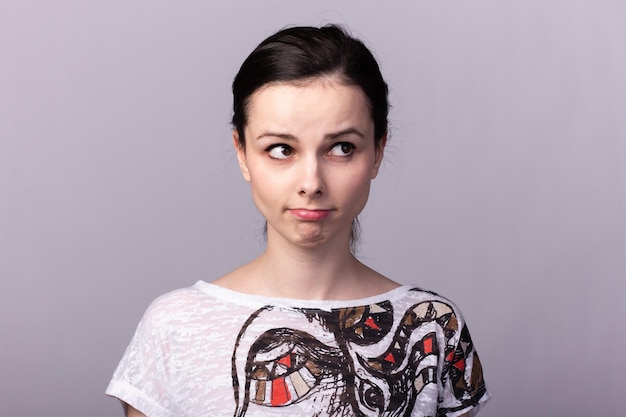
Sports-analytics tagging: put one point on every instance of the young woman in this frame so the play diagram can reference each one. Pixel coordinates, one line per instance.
(305, 329)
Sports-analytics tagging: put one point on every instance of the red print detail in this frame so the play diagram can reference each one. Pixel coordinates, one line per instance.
(285, 360)
(428, 346)
(460, 365)
(371, 323)
(390, 358)
(280, 392)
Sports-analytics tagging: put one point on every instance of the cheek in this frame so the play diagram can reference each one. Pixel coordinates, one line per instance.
(264, 186)
(357, 188)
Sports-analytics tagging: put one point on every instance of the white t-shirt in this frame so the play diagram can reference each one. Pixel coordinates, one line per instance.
(207, 351)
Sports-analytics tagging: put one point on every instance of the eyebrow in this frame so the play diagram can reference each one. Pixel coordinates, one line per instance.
(328, 136)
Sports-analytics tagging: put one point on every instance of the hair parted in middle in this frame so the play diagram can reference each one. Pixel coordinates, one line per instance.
(304, 53)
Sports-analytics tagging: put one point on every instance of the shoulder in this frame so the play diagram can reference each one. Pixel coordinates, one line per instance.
(413, 294)
(178, 305)
(176, 299)
(427, 306)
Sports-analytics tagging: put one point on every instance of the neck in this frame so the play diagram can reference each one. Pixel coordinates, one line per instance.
(325, 272)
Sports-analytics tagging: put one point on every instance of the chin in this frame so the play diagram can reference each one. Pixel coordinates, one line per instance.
(311, 241)
(310, 233)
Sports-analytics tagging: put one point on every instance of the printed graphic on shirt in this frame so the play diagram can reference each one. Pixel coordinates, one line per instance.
(332, 372)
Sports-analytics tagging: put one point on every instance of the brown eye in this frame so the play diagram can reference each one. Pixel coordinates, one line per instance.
(280, 151)
(342, 149)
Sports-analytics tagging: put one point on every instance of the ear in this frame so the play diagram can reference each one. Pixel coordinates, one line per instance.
(378, 158)
(241, 156)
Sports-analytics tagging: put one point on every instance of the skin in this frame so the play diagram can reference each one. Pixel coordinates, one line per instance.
(310, 156)
(129, 411)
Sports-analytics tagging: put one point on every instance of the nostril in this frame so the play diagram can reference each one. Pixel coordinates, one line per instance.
(317, 192)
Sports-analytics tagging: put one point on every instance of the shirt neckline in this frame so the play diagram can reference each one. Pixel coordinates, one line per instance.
(255, 300)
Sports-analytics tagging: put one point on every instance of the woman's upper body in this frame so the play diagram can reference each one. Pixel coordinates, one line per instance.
(310, 127)
(211, 351)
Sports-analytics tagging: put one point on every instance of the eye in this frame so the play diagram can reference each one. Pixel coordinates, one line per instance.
(372, 396)
(342, 149)
(279, 151)
(286, 365)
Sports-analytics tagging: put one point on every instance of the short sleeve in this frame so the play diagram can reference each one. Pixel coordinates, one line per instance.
(141, 376)
(463, 385)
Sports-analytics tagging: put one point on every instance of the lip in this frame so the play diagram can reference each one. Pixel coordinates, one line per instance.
(310, 214)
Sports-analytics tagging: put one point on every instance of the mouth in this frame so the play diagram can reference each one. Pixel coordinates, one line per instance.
(310, 214)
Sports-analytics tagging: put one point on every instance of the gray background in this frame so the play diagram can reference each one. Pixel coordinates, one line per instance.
(503, 188)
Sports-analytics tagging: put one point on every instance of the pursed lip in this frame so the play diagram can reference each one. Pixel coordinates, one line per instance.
(310, 214)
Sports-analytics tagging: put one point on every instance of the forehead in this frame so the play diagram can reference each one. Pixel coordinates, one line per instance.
(323, 103)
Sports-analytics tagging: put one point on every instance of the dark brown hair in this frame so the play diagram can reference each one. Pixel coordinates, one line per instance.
(302, 53)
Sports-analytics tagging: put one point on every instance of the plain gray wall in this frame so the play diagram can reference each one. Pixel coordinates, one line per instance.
(503, 189)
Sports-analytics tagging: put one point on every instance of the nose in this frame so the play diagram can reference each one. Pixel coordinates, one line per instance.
(311, 179)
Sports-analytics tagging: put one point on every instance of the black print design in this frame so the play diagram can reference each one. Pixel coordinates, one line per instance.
(278, 367)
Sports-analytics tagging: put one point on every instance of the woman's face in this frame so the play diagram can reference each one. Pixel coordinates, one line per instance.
(309, 156)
